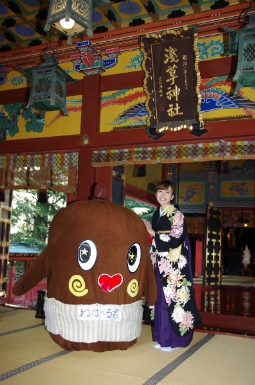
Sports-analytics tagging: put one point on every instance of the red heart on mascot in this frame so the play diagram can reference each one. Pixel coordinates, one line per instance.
(108, 282)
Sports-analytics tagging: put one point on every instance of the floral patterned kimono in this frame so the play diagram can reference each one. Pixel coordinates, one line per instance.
(176, 313)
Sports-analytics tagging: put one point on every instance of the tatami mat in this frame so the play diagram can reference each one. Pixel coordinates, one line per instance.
(9, 317)
(29, 356)
(224, 360)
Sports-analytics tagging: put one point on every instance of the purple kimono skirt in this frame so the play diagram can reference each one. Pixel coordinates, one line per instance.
(163, 332)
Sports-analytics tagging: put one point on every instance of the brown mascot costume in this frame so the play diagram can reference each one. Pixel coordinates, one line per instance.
(97, 268)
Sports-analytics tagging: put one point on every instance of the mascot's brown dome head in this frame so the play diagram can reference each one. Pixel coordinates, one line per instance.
(98, 253)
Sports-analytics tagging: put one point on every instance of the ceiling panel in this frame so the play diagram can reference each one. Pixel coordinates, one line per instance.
(22, 21)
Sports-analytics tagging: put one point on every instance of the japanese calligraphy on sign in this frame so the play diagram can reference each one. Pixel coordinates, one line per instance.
(171, 79)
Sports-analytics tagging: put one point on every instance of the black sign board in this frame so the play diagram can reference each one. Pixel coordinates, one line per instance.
(171, 79)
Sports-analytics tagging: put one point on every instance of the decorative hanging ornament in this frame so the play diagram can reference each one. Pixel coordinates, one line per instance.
(72, 17)
(241, 42)
(48, 84)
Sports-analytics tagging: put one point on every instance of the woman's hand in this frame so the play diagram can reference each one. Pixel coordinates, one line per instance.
(149, 228)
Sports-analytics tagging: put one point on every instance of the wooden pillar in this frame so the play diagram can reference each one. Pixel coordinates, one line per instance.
(165, 171)
(71, 198)
(26, 264)
(91, 104)
(90, 123)
(86, 174)
(199, 259)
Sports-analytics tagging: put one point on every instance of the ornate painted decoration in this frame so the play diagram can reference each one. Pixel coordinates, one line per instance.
(39, 160)
(57, 172)
(90, 61)
(170, 63)
(3, 74)
(181, 152)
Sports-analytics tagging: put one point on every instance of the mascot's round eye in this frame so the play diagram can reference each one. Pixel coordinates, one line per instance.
(134, 257)
(87, 254)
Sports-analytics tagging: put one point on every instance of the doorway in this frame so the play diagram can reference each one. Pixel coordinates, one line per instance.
(236, 240)
(228, 185)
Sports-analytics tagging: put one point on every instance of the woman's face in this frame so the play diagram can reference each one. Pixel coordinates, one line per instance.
(164, 197)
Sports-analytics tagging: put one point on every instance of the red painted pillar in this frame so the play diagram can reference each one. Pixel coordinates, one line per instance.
(90, 123)
(199, 259)
(86, 175)
(165, 171)
(91, 104)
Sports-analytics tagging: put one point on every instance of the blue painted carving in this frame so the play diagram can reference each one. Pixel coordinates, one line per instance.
(3, 74)
(169, 3)
(216, 98)
(210, 50)
(23, 30)
(90, 61)
(33, 3)
(3, 9)
(96, 16)
(129, 8)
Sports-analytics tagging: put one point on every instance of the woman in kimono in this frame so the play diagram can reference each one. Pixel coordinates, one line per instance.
(176, 313)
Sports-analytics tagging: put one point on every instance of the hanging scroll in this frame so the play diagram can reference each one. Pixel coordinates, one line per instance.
(171, 80)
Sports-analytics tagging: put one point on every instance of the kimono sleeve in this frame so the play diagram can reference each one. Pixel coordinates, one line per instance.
(171, 235)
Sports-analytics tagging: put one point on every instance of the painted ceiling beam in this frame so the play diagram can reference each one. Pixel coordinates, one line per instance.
(208, 69)
(208, 22)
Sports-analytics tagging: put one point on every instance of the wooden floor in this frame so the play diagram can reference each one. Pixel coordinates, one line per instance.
(229, 308)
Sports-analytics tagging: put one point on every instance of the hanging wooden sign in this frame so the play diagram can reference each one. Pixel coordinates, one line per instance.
(172, 79)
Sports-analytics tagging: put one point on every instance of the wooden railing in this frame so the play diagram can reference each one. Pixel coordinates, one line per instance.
(28, 299)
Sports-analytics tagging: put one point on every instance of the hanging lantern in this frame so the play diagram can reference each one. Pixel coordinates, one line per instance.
(48, 87)
(241, 42)
(72, 17)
